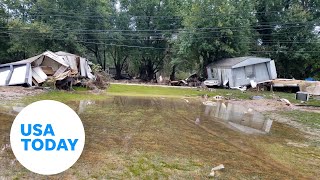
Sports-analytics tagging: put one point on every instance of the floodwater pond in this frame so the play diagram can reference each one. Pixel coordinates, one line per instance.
(157, 138)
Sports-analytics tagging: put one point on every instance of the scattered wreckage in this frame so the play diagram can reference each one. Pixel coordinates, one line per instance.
(193, 80)
(62, 69)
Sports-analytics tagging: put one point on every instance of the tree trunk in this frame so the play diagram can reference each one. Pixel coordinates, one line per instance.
(118, 71)
(173, 73)
(104, 59)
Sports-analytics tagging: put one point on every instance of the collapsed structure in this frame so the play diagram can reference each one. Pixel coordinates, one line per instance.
(48, 65)
(241, 71)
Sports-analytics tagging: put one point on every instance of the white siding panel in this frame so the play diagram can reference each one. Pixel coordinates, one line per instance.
(19, 75)
(272, 70)
(4, 72)
(239, 77)
(83, 67)
(251, 61)
(261, 72)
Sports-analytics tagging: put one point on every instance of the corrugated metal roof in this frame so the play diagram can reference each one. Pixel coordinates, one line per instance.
(230, 62)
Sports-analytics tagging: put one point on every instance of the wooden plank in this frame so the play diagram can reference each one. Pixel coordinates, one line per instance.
(61, 70)
(35, 82)
(47, 70)
(40, 73)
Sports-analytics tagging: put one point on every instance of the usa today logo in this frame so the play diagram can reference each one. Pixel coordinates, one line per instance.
(47, 137)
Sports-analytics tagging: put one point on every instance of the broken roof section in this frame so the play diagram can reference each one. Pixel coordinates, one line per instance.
(38, 69)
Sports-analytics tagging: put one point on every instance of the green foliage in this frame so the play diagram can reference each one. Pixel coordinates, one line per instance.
(291, 40)
(96, 68)
(147, 36)
(222, 32)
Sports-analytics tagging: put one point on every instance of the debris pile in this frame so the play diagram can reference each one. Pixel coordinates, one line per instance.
(100, 82)
(62, 69)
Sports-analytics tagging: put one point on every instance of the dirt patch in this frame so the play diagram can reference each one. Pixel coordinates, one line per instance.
(17, 92)
(264, 105)
(272, 108)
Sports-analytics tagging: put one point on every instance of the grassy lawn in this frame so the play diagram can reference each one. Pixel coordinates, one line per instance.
(310, 119)
(64, 96)
(135, 90)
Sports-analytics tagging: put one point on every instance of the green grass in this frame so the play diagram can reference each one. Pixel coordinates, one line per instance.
(155, 91)
(136, 90)
(64, 96)
(311, 119)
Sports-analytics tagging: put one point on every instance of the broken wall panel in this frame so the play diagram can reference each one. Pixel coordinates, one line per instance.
(72, 62)
(83, 64)
(37, 69)
(60, 70)
(50, 63)
(39, 75)
(21, 74)
(55, 57)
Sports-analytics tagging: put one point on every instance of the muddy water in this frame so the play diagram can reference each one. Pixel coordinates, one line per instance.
(148, 138)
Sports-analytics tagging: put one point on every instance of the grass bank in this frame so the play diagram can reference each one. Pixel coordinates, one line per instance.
(156, 91)
(140, 90)
(311, 119)
(64, 96)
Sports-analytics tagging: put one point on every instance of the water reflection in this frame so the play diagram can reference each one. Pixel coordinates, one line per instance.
(126, 134)
(231, 115)
(238, 117)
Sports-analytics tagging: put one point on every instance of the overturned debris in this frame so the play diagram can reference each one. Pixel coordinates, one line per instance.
(47, 66)
(212, 173)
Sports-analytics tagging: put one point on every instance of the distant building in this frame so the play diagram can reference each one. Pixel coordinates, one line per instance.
(241, 71)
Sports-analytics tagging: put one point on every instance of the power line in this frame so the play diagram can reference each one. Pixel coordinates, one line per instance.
(89, 15)
(275, 41)
(136, 33)
(271, 25)
(92, 41)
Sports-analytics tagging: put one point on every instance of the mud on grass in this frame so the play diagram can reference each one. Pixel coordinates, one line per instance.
(152, 138)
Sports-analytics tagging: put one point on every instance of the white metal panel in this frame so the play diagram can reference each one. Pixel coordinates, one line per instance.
(272, 69)
(4, 73)
(83, 67)
(225, 76)
(56, 58)
(209, 73)
(88, 69)
(239, 77)
(19, 75)
(261, 72)
(39, 75)
(251, 61)
(29, 75)
(90, 75)
(38, 61)
(72, 61)
(50, 63)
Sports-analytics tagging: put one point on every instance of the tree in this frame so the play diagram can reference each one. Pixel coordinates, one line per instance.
(287, 34)
(215, 30)
(4, 38)
(151, 21)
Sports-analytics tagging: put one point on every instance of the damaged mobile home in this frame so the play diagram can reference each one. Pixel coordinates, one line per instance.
(241, 71)
(48, 65)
